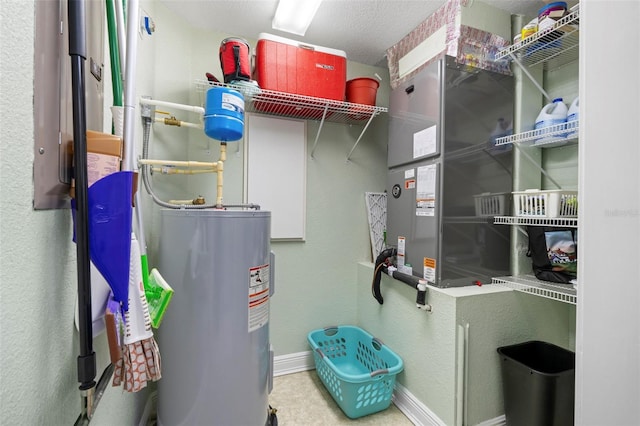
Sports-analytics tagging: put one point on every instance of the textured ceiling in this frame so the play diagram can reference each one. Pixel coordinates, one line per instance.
(364, 29)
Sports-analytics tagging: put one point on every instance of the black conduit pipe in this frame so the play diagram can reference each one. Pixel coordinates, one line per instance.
(77, 51)
(414, 282)
(409, 280)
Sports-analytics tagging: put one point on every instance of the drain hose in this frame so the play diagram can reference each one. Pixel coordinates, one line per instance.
(380, 265)
(410, 280)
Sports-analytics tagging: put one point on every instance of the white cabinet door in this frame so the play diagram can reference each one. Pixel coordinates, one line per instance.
(276, 171)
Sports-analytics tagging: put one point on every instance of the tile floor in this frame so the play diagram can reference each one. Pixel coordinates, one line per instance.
(302, 400)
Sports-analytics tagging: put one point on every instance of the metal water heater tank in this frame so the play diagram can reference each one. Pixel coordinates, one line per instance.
(217, 364)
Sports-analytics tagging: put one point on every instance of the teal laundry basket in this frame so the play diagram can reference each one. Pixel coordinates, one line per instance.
(358, 370)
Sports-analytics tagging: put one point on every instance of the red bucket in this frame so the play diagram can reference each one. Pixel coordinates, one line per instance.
(362, 90)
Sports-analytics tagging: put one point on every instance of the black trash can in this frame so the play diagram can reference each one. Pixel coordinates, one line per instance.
(538, 382)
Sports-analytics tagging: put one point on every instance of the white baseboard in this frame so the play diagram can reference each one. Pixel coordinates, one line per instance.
(421, 415)
(498, 421)
(416, 411)
(293, 363)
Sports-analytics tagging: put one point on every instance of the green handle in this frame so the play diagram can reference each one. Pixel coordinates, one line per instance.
(114, 54)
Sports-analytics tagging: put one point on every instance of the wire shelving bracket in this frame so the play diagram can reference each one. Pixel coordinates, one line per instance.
(552, 47)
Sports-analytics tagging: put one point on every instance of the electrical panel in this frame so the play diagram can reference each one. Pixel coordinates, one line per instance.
(53, 108)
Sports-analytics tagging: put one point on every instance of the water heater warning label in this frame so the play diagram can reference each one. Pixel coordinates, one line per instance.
(258, 297)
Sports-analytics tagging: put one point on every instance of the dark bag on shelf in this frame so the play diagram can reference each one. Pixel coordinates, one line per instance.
(554, 253)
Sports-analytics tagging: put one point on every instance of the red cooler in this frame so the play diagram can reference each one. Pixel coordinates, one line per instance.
(289, 66)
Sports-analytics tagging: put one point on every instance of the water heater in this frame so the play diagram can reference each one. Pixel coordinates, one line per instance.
(217, 364)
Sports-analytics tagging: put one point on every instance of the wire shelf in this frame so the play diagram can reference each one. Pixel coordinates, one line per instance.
(291, 105)
(546, 137)
(560, 222)
(552, 47)
(298, 106)
(530, 284)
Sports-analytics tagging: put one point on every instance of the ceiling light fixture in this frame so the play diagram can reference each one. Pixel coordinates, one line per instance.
(294, 16)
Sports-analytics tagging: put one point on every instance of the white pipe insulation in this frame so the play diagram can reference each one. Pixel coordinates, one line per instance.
(191, 108)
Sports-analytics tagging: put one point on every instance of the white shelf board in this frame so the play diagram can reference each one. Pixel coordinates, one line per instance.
(546, 137)
(530, 284)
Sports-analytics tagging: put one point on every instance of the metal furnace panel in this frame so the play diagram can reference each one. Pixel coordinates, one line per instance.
(415, 113)
(471, 107)
(413, 204)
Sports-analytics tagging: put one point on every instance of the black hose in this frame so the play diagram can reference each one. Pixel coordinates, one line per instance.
(379, 266)
(421, 298)
(77, 51)
(413, 281)
(410, 280)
